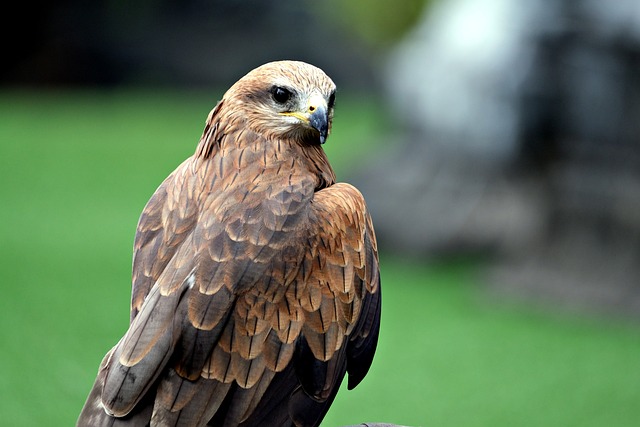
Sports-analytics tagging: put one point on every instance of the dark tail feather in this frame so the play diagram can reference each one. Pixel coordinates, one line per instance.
(94, 415)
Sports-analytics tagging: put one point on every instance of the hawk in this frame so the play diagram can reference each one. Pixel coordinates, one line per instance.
(256, 285)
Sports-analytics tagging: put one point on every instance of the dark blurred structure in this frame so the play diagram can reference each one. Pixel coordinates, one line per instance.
(522, 141)
(173, 43)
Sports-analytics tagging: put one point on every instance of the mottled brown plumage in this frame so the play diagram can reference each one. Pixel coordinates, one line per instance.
(255, 275)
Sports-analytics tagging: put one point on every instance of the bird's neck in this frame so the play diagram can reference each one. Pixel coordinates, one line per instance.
(230, 151)
(318, 163)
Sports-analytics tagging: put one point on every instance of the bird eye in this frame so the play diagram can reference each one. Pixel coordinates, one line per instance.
(280, 94)
(332, 100)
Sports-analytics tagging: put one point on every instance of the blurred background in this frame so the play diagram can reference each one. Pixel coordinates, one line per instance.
(497, 144)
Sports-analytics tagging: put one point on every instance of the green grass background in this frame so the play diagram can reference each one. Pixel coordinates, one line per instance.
(76, 169)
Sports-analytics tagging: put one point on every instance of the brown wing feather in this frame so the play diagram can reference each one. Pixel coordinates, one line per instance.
(349, 281)
(165, 223)
(321, 299)
(170, 216)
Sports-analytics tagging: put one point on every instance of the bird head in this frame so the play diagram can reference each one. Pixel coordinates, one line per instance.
(285, 99)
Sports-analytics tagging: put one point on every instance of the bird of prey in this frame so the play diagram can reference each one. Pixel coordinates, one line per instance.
(256, 285)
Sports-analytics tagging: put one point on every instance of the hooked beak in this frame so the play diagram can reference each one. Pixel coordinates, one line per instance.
(314, 116)
(319, 120)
